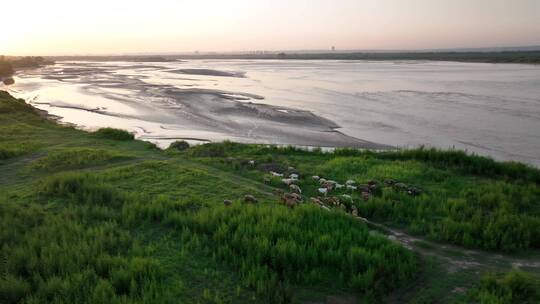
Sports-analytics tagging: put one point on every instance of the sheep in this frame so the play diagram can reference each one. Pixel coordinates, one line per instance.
(328, 185)
(276, 174)
(250, 199)
(339, 186)
(354, 211)
(343, 207)
(350, 182)
(293, 176)
(291, 199)
(288, 181)
(227, 202)
(365, 196)
(291, 169)
(323, 191)
(332, 201)
(251, 163)
(352, 188)
(316, 177)
(346, 196)
(322, 180)
(295, 188)
(316, 200)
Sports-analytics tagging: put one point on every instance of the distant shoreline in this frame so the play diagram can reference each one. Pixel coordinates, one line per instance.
(516, 57)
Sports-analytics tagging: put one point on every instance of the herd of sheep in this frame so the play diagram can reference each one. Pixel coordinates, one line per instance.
(325, 188)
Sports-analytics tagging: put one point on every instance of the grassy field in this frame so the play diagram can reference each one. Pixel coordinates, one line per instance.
(102, 218)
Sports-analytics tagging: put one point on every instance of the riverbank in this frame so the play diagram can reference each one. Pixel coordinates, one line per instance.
(108, 218)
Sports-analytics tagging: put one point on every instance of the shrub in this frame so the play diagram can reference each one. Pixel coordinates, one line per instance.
(114, 134)
(179, 145)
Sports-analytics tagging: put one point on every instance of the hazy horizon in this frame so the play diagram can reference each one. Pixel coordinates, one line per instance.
(63, 27)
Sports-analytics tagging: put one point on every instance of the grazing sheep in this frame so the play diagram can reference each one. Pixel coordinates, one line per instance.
(332, 201)
(250, 199)
(276, 174)
(328, 185)
(325, 208)
(316, 200)
(363, 188)
(352, 188)
(295, 188)
(291, 199)
(346, 196)
(291, 169)
(316, 177)
(227, 202)
(389, 182)
(266, 180)
(354, 211)
(293, 176)
(343, 207)
(365, 196)
(350, 182)
(414, 191)
(251, 163)
(323, 191)
(322, 180)
(289, 181)
(339, 186)
(278, 192)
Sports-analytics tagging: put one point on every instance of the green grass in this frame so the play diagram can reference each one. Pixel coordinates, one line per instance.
(88, 218)
(73, 158)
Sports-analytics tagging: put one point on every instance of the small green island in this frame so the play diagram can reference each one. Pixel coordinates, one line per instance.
(104, 218)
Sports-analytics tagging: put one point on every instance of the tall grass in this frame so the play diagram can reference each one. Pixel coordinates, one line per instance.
(274, 247)
(514, 287)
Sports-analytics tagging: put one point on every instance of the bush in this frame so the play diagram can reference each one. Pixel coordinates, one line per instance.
(179, 145)
(114, 134)
(515, 287)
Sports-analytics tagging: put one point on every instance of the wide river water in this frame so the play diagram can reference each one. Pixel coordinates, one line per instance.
(490, 109)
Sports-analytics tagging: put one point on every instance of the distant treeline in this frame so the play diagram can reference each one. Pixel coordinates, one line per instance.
(494, 57)
(6, 69)
(528, 57)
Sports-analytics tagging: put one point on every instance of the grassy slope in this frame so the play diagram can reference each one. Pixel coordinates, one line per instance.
(149, 225)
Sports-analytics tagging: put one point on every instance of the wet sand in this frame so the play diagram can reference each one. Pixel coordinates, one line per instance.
(163, 113)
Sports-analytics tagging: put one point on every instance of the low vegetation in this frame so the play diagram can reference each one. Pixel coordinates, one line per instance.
(102, 218)
(73, 158)
(114, 134)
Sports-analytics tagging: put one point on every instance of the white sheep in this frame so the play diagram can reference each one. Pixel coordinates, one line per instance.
(350, 182)
(339, 186)
(252, 163)
(316, 177)
(288, 181)
(276, 174)
(346, 196)
(352, 188)
(293, 176)
(295, 188)
(323, 191)
(322, 180)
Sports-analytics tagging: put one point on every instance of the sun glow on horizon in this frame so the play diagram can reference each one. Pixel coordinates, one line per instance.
(105, 27)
